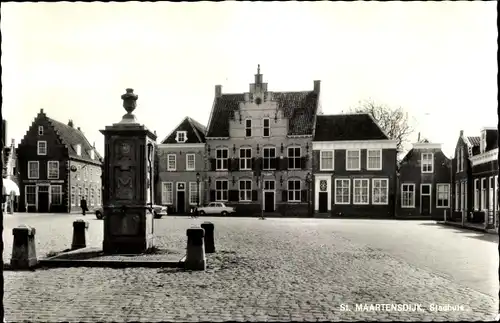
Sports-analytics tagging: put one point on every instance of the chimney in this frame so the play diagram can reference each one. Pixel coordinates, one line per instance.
(461, 133)
(13, 142)
(218, 91)
(418, 139)
(79, 129)
(70, 123)
(317, 85)
(41, 110)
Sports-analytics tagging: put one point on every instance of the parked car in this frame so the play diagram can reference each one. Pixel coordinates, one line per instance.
(158, 212)
(216, 208)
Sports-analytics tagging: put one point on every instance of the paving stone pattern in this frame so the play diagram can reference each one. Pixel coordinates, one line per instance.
(272, 270)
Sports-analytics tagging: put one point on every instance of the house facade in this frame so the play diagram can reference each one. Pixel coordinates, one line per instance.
(46, 155)
(484, 178)
(181, 167)
(10, 173)
(424, 182)
(354, 167)
(259, 147)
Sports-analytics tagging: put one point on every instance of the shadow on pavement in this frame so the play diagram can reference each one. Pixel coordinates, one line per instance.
(469, 233)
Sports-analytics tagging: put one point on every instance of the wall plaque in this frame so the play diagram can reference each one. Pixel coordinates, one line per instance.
(323, 186)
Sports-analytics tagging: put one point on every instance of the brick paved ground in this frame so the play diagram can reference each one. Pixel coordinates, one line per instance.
(273, 270)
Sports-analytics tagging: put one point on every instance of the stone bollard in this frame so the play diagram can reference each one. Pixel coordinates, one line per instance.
(208, 227)
(79, 234)
(195, 256)
(23, 249)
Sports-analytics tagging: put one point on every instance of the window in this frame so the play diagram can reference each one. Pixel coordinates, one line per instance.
(171, 162)
(294, 190)
(482, 145)
(42, 147)
(91, 176)
(78, 171)
(360, 191)
(248, 128)
(167, 192)
(490, 194)
(91, 200)
(92, 154)
(462, 159)
(222, 159)
(326, 160)
(269, 158)
(374, 159)
(98, 202)
(33, 170)
(443, 195)
(73, 196)
(79, 150)
(342, 191)
(40, 130)
(476, 194)
(408, 195)
(221, 190)
(85, 173)
(53, 169)
(87, 193)
(483, 194)
(294, 158)
(427, 162)
(245, 190)
(245, 158)
(459, 159)
(56, 194)
(193, 193)
(352, 160)
(462, 201)
(190, 161)
(269, 185)
(30, 194)
(457, 196)
(380, 191)
(181, 136)
(266, 130)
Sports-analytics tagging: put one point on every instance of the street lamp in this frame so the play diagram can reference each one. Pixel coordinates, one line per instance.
(308, 181)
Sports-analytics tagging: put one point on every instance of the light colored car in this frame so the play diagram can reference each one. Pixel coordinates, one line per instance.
(158, 212)
(216, 208)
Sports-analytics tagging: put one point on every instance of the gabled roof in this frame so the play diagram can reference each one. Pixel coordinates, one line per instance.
(347, 127)
(195, 132)
(298, 107)
(72, 137)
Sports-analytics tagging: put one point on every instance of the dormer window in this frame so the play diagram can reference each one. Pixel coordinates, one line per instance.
(181, 136)
(40, 130)
(248, 128)
(79, 150)
(92, 154)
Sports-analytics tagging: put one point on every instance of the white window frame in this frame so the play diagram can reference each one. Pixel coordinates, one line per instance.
(264, 127)
(245, 161)
(30, 163)
(221, 198)
(457, 153)
(73, 196)
(41, 148)
(167, 193)
(78, 172)
(348, 187)
(79, 150)
(268, 158)
(26, 193)
(368, 157)
(193, 193)
(247, 192)
(296, 159)
(374, 188)
(92, 154)
(407, 195)
(40, 130)
(360, 180)
(248, 128)
(347, 158)
(219, 161)
(491, 201)
(181, 135)
(85, 173)
(457, 196)
(476, 194)
(50, 164)
(425, 163)
(438, 192)
(483, 194)
(187, 161)
(294, 191)
(169, 157)
(321, 166)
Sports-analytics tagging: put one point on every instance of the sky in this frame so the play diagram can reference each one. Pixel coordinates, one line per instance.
(436, 60)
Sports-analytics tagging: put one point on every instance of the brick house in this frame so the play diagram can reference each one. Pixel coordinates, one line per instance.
(45, 156)
(181, 167)
(354, 167)
(424, 182)
(258, 149)
(484, 179)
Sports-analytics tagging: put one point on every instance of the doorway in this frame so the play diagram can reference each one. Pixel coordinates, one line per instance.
(425, 199)
(181, 198)
(43, 199)
(323, 202)
(269, 201)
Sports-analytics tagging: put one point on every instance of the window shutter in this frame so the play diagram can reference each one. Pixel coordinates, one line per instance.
(252, 163)
(212, 164)
(230, 164)
(284, 163)
(236, 164)
(303, 195)
(233, 196)
(303, 162)
(212, 195)
(258, 165)
(272, 163)
(284, 195)
(278, 163)
(254, 195)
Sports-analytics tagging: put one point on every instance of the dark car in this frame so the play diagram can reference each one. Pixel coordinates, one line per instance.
(158, 212)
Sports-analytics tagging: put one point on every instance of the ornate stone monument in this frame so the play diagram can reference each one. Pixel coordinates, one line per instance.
(128, 185)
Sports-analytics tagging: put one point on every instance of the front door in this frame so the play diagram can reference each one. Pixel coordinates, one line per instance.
(323, 202)
(425, 195)
(181, 198)
(43, 199)
(269, 201)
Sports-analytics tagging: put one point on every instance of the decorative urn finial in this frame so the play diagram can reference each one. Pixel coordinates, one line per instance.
(129, 100)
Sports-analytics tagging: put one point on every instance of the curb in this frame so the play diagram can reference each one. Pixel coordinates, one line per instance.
(68, 263)
(459, 225)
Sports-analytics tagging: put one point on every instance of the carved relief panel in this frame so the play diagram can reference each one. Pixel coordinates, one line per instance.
(124, 169)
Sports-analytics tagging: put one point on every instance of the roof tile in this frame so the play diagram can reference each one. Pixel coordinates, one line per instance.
(347, 127)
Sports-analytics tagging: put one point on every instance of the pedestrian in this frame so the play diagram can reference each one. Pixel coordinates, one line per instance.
(83, 205)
